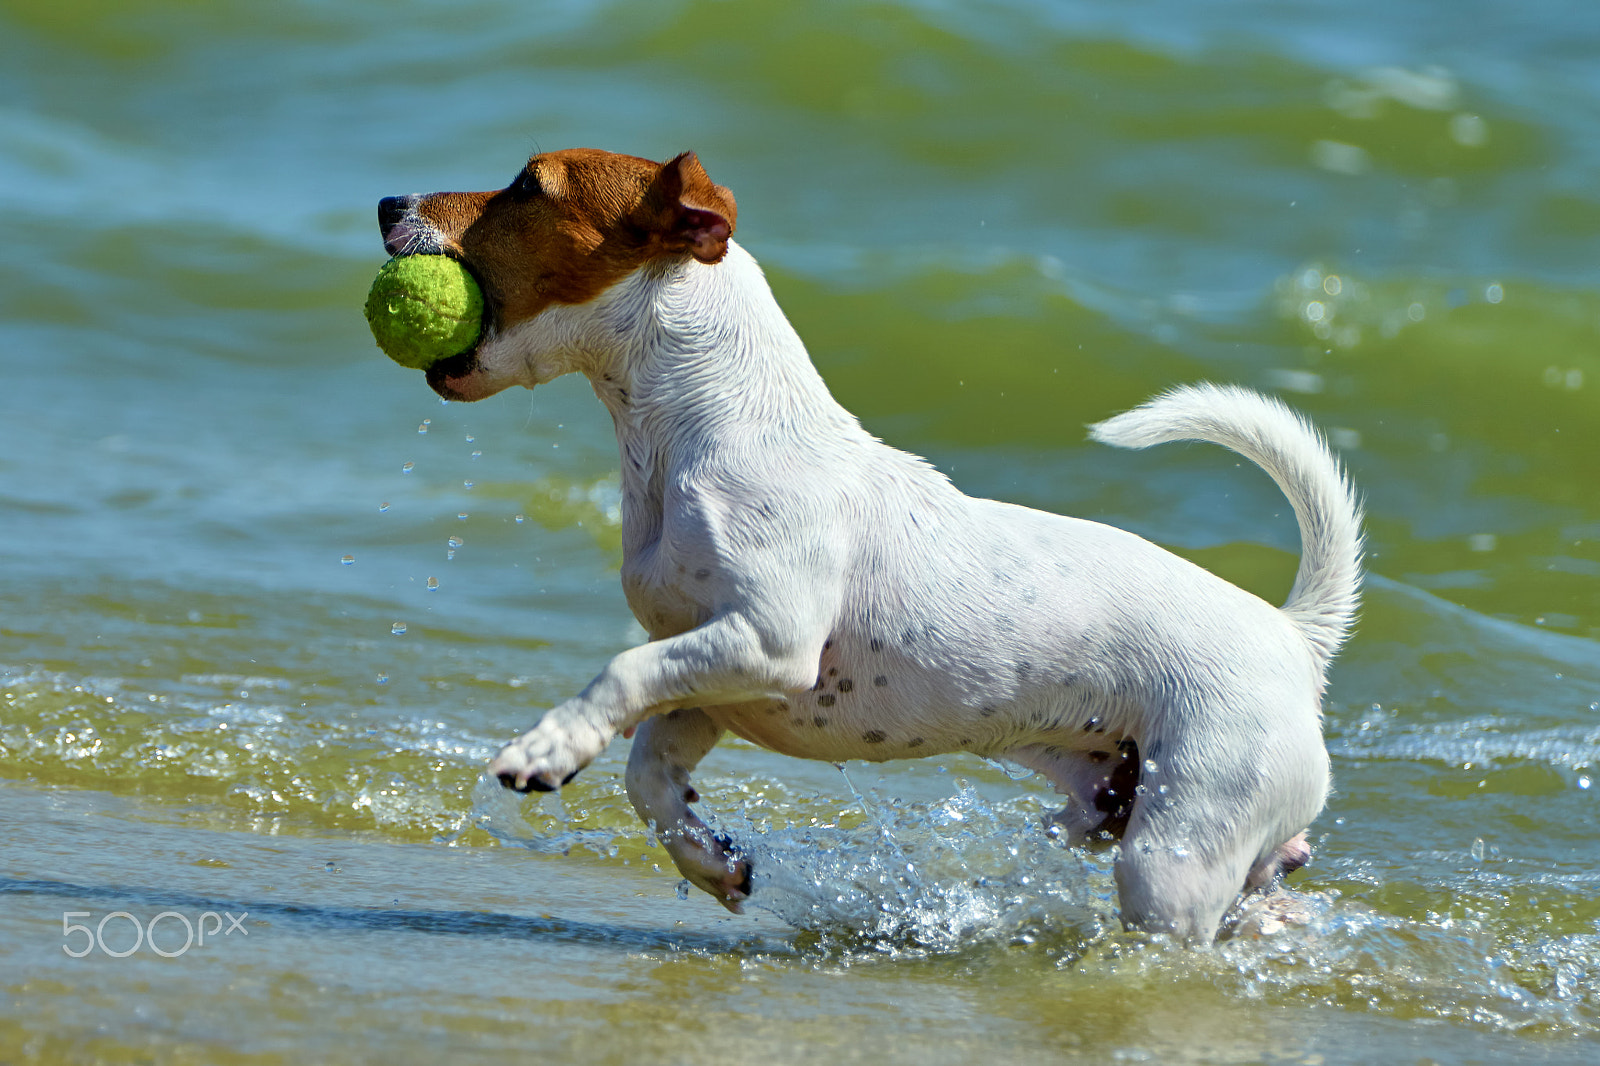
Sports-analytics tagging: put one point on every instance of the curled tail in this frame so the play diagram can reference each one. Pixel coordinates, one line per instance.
(1327, 588)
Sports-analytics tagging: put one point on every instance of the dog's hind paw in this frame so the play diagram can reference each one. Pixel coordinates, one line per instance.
(1266, 914)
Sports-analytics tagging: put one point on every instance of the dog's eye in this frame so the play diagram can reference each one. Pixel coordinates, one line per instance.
(524, 185)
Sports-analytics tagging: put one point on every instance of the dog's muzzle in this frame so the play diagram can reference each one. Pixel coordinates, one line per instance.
(407, 233)
(404, 233)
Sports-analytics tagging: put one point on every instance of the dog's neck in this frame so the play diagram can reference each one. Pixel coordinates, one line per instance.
(694, 359)
(699, 348)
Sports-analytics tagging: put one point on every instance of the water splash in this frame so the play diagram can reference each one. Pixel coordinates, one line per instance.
(500, 812)
(914, 878)
(1494, 940)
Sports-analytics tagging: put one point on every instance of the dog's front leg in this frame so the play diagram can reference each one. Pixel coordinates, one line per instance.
(665, 749)
(726, 660)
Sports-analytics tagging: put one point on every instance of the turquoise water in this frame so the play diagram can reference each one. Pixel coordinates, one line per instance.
(993, 224)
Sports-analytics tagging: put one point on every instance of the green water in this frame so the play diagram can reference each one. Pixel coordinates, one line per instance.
(993, 223)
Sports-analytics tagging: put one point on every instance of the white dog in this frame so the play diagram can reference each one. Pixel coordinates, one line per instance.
(826, 596)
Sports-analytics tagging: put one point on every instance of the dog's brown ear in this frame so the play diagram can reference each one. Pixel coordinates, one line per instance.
(690, 213)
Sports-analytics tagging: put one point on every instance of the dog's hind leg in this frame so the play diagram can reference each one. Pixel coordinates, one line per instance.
(1285, 859)
(1098, 785)
(1170, 876)
(1178, 878)
(665, 749)
(1213, 819)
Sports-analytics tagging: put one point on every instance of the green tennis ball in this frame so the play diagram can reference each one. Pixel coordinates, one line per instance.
(424, 308)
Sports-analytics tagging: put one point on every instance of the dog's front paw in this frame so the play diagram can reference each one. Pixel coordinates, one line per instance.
(712, 863)
(544, 758)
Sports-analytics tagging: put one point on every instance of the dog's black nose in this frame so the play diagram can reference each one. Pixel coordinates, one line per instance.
(391, 209)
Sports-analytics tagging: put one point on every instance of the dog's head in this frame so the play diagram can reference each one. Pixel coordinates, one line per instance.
(570, 226)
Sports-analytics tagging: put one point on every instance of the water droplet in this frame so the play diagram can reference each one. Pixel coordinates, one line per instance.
(1584, 782)
(1151, 766)
(1477, 850)
(433, 583)
(455, 542)
(470, 438)
(382, 507)
(383, 679)
(1494, 293)
(346, 560)
(521, 518)
(1013, 770)
(424, 427)
(476, 454)
(398, 629)
(683, 889)
(466, 484)
(1469, 131)
(461, 516)
(406, 468)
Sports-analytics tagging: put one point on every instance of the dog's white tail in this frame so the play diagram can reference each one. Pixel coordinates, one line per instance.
(1327, 588)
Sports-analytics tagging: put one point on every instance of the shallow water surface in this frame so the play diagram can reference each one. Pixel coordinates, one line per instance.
(269, 605)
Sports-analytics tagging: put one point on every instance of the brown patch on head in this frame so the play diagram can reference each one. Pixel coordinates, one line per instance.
(578, 221)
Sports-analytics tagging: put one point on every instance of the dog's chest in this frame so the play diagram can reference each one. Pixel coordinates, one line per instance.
(668, 596)
(668, 572)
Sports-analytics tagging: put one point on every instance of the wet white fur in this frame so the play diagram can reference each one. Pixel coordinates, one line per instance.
(771, 546)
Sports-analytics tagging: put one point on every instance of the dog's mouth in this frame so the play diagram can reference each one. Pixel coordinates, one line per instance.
(458, 378)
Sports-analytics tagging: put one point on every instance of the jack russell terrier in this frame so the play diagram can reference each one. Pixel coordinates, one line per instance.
(824, 595)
